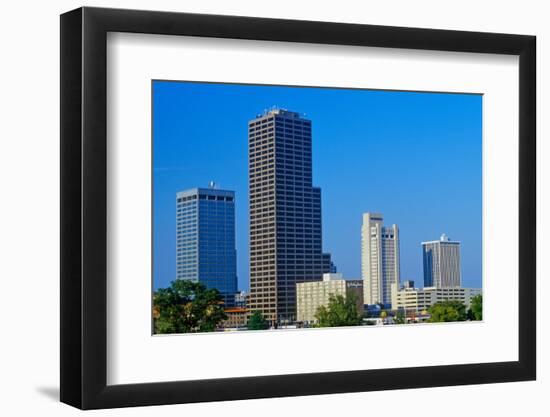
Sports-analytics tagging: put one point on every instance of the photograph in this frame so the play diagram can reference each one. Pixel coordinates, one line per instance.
(282, 207)
(252, 205)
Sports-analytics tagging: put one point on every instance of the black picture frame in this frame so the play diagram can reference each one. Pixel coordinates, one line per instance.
(84, 207)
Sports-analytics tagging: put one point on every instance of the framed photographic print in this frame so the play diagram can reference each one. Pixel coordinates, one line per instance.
(256, 207)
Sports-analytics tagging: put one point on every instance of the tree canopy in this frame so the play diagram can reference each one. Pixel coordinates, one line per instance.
(340, 311)
(476, 308)
(446, 311)
(257, 321)
(399, 317)
(187, 307)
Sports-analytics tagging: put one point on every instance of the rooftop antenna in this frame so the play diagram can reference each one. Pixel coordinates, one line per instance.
(212, 185)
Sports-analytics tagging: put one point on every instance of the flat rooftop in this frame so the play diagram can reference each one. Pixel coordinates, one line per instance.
(205, 191)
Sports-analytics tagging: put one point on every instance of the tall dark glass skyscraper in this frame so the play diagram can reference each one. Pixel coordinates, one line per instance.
(285, 214)
(206, 239)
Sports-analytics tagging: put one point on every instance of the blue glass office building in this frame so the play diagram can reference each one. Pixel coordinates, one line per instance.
(206, 239)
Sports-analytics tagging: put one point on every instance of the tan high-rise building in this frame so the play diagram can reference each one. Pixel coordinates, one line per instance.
(285, 214)
(379, 258)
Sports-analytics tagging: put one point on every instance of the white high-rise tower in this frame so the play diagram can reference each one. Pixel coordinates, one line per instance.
(379, 258)
(442, 263)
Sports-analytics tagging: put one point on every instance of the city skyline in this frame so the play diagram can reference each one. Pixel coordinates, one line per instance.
(173, 125)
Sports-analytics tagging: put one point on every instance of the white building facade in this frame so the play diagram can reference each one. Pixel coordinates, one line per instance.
(418, 300)
(312, 295)
(379, 259)
(441, 259)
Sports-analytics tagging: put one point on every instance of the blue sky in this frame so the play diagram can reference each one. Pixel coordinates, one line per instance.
(414, 157)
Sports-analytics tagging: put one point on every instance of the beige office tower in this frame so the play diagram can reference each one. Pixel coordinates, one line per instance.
(379, 259)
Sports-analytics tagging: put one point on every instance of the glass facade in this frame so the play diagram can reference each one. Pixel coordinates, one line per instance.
(441, 261)
(206, 239)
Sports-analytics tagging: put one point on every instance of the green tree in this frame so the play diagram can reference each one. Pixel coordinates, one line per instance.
(476, 308)
(340, 311)
(445, 311)
(187, 307)
(399, 317)
(257, 322)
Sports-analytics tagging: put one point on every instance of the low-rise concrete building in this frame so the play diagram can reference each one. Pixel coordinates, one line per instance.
(418, 300)
(237, 317)
(312, 295)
